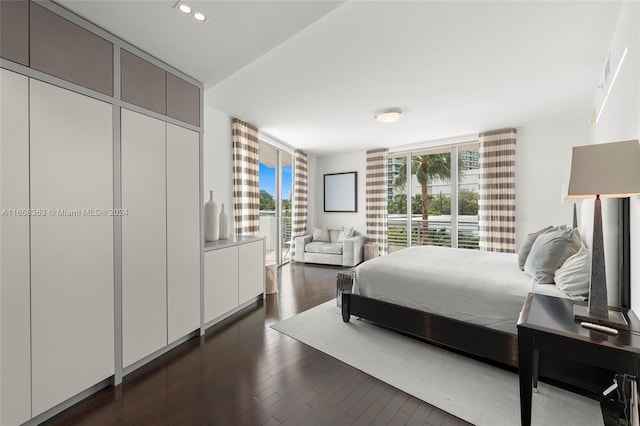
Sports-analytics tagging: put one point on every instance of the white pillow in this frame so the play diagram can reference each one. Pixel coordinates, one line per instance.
(344, 234)
(321, 235)
(574, 275)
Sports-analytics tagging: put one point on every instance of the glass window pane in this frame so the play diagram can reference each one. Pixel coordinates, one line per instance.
(431, 189)
(268, 228)
(286, 206)
(468, 186)
(397, 203)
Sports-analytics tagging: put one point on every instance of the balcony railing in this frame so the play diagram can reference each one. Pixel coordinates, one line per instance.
(435, 232)
(268, 230)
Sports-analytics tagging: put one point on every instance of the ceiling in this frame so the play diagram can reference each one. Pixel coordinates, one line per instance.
(314, 73)
(235, 34)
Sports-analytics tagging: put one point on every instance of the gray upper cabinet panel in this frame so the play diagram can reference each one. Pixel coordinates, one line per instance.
(143, 83)
(183, 100)
(14, 31)
(68, 51)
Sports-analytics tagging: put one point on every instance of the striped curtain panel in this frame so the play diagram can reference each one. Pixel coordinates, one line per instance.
(497, 204)
(246, 190)
(376, 198)
(300, 198)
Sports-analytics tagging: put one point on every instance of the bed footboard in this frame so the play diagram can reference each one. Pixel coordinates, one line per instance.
(481, 341)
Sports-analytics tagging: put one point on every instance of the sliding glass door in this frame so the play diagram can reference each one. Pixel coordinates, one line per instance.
(286, 205)
(276, 185)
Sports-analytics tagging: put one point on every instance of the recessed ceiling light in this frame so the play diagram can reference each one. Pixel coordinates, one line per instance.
(389, 116)
(185, 9)
(199, 16)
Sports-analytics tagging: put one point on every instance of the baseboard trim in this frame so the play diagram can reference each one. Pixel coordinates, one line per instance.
(234, 311)
(54, 411)
(133, 367)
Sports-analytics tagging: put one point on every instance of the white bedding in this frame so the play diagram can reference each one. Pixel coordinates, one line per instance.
(482, 288)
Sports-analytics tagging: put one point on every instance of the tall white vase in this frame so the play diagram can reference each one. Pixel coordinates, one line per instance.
(224, 224)
(211, 226)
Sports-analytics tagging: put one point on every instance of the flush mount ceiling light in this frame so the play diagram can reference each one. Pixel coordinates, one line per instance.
(389, 116)
(186, 9)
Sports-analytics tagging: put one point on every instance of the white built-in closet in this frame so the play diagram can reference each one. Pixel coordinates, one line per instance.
(100, 241)
(57, 265)
(160, 234)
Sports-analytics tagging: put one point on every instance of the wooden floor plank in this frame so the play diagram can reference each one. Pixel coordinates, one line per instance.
(401, 418)
(391, 409)
(369, 414)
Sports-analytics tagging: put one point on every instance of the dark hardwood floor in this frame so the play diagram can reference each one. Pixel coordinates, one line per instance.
(242, 372)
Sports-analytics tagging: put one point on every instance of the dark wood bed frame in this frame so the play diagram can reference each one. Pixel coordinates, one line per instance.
(477, 340)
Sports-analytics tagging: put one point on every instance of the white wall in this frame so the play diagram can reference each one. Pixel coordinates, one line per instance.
(543, 160)
(620, 119)
(350, 162)
(218, 160)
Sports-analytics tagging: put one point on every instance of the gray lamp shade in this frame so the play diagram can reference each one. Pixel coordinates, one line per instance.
(610, 170)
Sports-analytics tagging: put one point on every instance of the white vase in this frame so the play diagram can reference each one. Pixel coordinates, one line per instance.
(224, 224)
(211, 226)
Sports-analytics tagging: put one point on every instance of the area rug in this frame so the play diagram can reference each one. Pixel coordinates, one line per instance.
(469, 389)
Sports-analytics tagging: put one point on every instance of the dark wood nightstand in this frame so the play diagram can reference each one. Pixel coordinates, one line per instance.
(546, 325)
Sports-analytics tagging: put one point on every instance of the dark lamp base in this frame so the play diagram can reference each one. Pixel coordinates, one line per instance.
(616, 319)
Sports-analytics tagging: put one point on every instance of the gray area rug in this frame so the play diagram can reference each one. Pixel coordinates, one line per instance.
(472, 390)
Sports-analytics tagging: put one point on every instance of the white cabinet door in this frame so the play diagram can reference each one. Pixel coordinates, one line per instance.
(251, 277)
(220, 282)
(144, 277)
(183, 231)
(15, 315)
(72, 263)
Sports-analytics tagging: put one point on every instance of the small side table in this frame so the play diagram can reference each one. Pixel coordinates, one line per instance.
(272, 278)
(371, 250)
(546, 325)
(344, 282)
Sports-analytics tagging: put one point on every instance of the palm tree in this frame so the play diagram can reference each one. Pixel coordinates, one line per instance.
(427, 168)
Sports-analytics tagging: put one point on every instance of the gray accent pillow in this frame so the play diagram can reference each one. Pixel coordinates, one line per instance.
(528, 243)
(321, 235)
(549, 252)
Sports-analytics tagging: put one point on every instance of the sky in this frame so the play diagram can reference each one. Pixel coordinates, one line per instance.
(268, 180)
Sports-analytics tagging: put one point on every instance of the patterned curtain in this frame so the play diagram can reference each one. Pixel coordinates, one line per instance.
(497, 204)
(300, 197)
(376, 198)
(246, 190)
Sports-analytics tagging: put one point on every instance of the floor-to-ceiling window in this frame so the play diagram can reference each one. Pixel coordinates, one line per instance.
(276, 185)
(433, 197)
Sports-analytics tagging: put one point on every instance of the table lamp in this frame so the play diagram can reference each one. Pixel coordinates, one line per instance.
(609, 170)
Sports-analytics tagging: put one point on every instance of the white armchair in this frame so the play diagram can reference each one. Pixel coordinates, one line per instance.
(348, 252)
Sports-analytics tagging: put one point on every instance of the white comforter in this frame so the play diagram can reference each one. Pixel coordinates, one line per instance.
(482, 288)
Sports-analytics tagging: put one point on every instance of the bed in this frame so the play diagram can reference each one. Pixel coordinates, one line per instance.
(463, 299)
